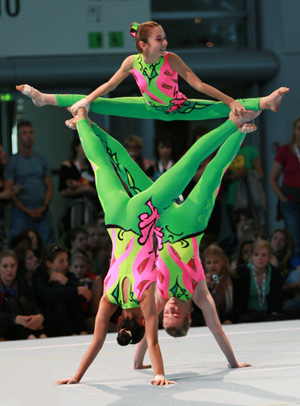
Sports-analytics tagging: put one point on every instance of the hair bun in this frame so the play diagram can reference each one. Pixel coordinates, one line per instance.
(124, 337)
(133, 29)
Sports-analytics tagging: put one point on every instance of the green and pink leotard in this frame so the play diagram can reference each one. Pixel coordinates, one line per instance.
(180, 228)
(131, 221)
(161, 98)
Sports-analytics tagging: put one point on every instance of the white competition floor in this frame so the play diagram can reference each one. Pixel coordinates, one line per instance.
(29, 369)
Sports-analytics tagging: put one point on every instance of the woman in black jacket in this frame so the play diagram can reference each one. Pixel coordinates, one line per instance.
(257, 287)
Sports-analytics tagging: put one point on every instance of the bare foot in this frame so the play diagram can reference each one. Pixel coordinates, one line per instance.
(245, 124)
(39, 99)
(81, 114)
(273, 101)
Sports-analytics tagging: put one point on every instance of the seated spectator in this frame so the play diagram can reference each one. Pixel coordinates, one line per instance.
(134, 145)
(237, 220)
(251, 230)
(257, 287)
(27, 263)
(286, 259)
(80, 267)
(36, 241)
(76, 240)
(242, 255)
(20, 317)
(219, 281)
(59, 294)
(98, 248)
(77, 187)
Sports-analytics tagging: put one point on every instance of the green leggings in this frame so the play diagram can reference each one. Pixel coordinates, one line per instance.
(136, 107)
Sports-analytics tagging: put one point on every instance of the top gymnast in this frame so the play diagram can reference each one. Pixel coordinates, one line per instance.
(156, 73)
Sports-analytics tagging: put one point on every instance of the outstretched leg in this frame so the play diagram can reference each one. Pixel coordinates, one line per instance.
(137, 107)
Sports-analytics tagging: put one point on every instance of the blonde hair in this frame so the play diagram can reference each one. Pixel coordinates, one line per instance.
(215, 250)
(260, 244)
(142, 32)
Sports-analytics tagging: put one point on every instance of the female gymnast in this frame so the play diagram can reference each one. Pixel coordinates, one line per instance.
(156, 73)
(179, 231)
(131, 279)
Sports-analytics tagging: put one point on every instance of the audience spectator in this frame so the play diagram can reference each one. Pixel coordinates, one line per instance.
(237, 220)
(287, 162)
(76, 240)
(283, 248)
(20, 317)
(27, 263)
(31, 171)
(80, 267)
(164, 154)
(219, 281)
(36, 242)
(99, 248)
(243, 184)
(59, 294)
(77, 187)
(257, 287)
(5, 195)
(242, 255)
(134, 145)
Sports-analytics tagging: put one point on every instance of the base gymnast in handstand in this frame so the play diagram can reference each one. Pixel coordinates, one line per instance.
(179, 231)
(130, 282)
(156, 73)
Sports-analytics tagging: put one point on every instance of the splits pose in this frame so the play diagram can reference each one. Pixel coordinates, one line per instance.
(156, 73)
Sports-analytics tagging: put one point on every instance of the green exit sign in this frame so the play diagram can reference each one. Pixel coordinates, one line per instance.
(116, 40)
(95, 40)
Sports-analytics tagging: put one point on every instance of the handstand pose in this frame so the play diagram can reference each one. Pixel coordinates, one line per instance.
(180, 229)
(156, 73)
(131, 280)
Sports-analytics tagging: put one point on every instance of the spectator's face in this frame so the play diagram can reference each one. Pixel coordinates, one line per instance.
(134, 150)
(164, 151)
(79, 268)
(93, 239)
(60, 263)
(260, 258)
(246, 252)
(8, 270)
(2, 156)
(213, 264)
(241, 223)
(31, 261)
(278, 242)
(80, 241)
(26, 136)
(34, 240)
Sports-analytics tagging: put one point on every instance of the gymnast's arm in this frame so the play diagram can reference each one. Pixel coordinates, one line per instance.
(121, 74)
(189, 76)
(105, 311)
(141, 347)
(148, 308)
(205, 302)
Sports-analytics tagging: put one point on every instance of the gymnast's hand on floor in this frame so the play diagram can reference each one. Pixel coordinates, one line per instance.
(160, 380)
(66, 381)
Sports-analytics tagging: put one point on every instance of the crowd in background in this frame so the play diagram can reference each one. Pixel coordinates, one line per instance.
(49, 289)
